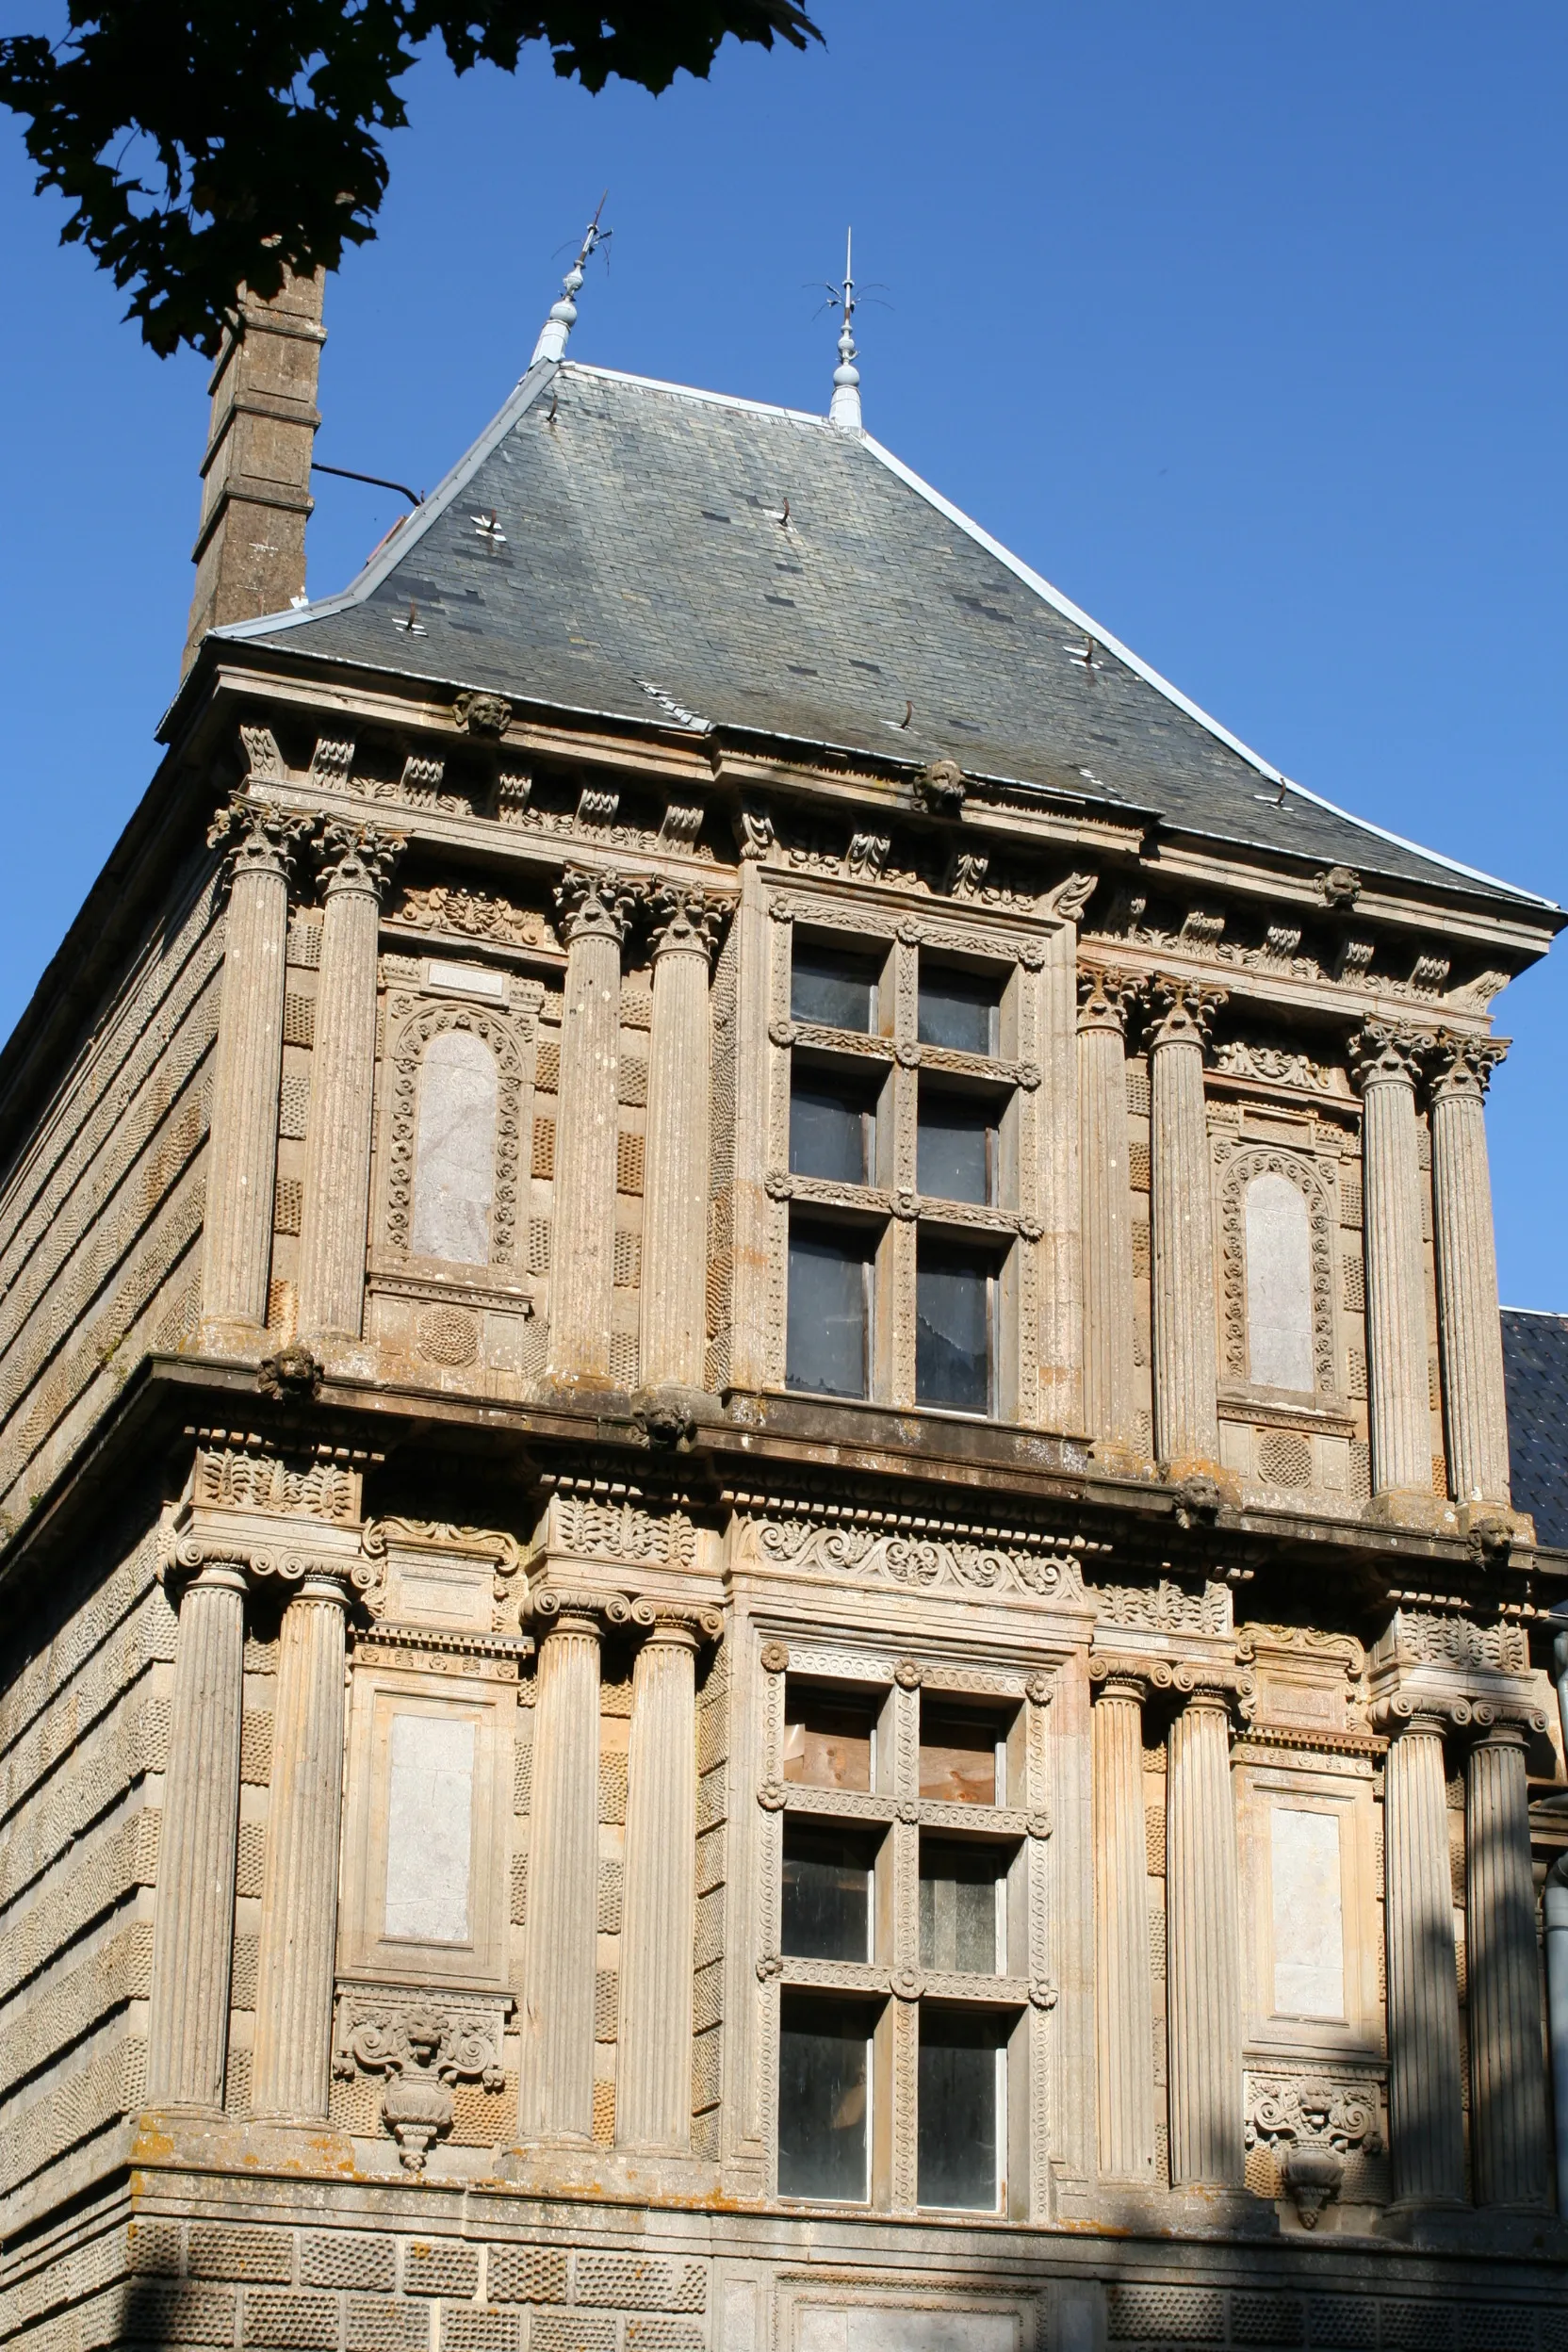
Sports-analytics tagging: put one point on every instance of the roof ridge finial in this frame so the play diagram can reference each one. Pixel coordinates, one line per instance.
(562, 318)
(845, 411)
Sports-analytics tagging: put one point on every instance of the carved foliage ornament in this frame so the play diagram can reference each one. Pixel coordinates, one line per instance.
(1428, 1640)
(1163, 1607)
(1383, 1053)
(622, 1531)
(258, 840)
(1105, 998)
(408, 1053)
(1312, 2123)
(358, 858)
(422, 2045)
(1239, 1171)
(1463, 1066)
(1182, 1010)
(594, 904)
(684, 920)
(324, 1489)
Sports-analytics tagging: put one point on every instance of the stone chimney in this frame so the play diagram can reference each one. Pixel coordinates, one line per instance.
(250, 552)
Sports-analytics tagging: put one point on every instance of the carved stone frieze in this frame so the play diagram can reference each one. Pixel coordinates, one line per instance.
(1272, 1067)
(916, 1563)
(474, 915)
(256, 1482)
(1163, 1607)
(422, 2043)
(625, 1532)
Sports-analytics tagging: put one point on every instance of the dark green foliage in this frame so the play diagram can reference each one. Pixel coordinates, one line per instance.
(207, 144)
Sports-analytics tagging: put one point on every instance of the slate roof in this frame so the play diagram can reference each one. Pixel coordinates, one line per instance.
(645, 570)
(1535, 1373)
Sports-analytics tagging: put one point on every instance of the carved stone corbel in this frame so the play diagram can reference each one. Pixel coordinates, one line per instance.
(422, 2043)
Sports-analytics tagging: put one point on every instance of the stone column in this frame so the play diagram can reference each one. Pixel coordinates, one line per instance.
(595, 909)
(563, 1883)
(1186, 1372)
(1203, 1950)
(1473, 1404)
(1509, 2148)
(299, 1902)
(1396, 1361)
(1425, 2097)
(653, 2087)
(1109, 1406)
(193, 1935)
(676, 1161)
(357, 864)
(1123, 2002)
(242, 1146)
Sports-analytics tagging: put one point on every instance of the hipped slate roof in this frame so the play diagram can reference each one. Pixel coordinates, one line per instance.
(1535, 1372)
(661, 553)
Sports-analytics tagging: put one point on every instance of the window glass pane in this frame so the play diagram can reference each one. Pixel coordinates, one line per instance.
(962, 1919)
(957, 1147)
(828, 1130)
(960, 2101)
(824, 2100)
(957, 1009)
(958, 1755)
(953, 1331)
(826, 1894)
(837, 991)
(826, 1349)
(1279, 1284)
(827, 1741)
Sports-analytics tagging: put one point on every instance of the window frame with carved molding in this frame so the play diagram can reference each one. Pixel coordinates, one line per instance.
(1259, 1418)
(898, 1223)
(894, 1985)
(463, 1316)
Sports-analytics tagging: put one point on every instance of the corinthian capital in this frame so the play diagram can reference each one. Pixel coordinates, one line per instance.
(683, 922)
(1463, 1065)
(1182, 1010)
(358, 858)
(1105, 997)
(594, 904)
(1385, 1053)
(258, 838)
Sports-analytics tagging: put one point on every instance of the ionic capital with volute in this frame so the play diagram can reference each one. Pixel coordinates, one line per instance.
(1181, 1011)
(593, 904)
(684, 921)
(1461, 1068)
(1105, 997)
(552, 1605)
(358, 858)
(257, 838)
(1115, 1677)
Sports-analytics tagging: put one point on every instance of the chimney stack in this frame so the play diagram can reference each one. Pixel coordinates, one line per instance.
(250, 552)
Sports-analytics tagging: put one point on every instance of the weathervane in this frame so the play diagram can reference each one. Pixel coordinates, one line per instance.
(562, 318)
(845, 411)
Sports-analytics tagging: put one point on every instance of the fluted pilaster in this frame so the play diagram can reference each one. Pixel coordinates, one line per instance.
(1475, 1406)
(1187, 1411)
(1204, 1955)
(298, 1904)
(594, 912)
(357, 864)
(676, 1159)
(653, 2089)
(562, 1886)
(1425, 2097)
(1105, 1160)
(242, 1146)
(1509, 2148)
(1123, 2002)
(193, 1934)
(1399, 1410)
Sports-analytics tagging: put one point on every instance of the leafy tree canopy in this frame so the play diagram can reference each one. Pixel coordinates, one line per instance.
(210, 144)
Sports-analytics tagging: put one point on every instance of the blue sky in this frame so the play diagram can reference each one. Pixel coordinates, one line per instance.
(1244, 325)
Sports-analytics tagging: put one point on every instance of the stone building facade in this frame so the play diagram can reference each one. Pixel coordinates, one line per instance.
(760, 1576)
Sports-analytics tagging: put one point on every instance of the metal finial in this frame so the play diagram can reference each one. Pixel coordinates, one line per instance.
(562, 318)
(846, 410)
